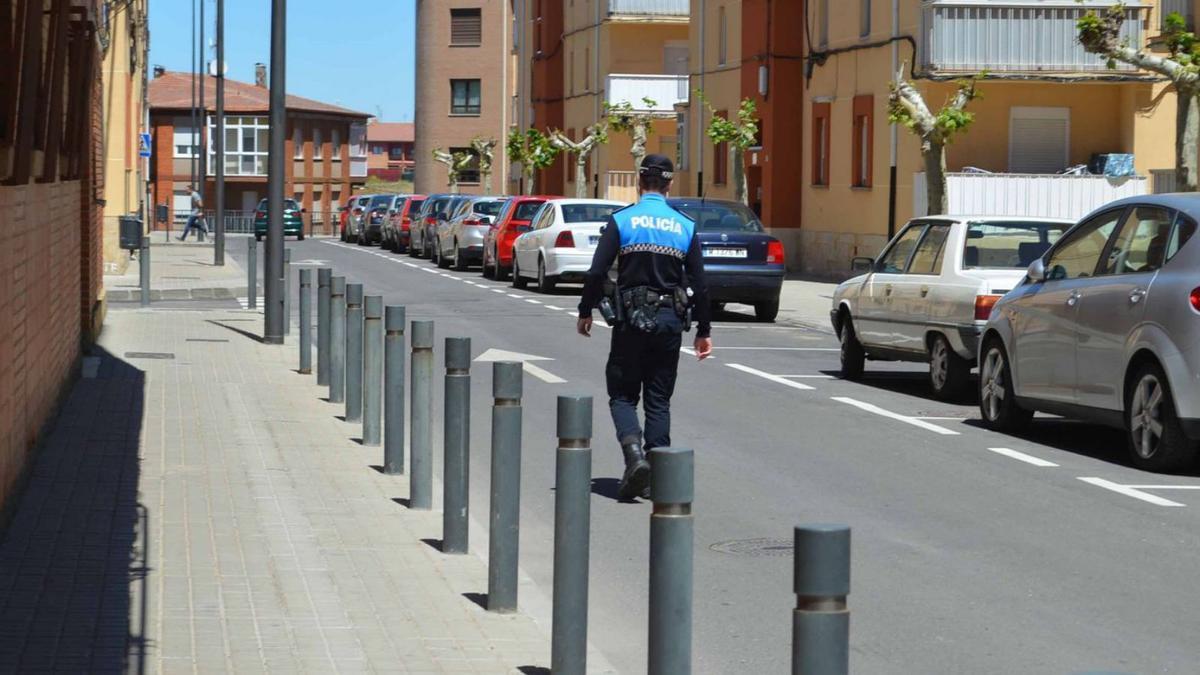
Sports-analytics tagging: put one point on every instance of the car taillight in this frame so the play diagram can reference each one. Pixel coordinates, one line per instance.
(1194, 297)
(471, 221)
(984, 305)
(775, 252)
(260, 214)
(564, 240)
(405, 223)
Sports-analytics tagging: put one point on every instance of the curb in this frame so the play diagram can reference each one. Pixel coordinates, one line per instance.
(214, 293)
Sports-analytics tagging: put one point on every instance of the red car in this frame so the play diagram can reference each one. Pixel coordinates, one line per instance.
(397, 234)
(511, 223)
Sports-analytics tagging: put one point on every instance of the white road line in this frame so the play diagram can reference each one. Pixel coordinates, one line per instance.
(811, 377)
(1128, 491)
(516, 295)
(767, 376)
(541, 374)
(1022, 457)
(497, 290)
(532, 301)
(1165, 487)
(871, 408)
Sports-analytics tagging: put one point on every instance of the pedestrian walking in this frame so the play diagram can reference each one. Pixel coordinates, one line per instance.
(196, 218)
(660, 284)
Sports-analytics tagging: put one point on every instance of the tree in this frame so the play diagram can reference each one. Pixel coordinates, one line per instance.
(483, 150)
(1100, 34)
(639, 124)
(740, 136)
(907, 106)
(582, 149)
(456, 163)
(533, 151)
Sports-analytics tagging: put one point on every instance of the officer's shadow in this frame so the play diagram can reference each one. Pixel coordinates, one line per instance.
(609, 487)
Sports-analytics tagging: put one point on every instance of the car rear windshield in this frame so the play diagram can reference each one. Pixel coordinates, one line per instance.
(588, 213)
(1008, 244)
(380, 201)
(415, 207)
(288, 205)
(718, 217)
(525, 210)
(488, 208)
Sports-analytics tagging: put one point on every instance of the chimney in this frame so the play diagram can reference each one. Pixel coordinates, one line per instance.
(260, 75)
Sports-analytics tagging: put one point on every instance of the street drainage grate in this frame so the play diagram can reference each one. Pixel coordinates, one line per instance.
(149, 355)
(765, 547)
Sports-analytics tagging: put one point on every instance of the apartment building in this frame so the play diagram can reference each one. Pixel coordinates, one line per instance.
(390, 150)
(465, 66)
(539, 91)
(326, 143)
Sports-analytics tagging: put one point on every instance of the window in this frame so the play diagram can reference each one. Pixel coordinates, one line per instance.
(1141, 245)
(720, 216)
(820, 144)
(1184, 229)
(864, 18)
(571, 71)
(681, 133)
(1078, 255)
(587, 69)
(318, 144)
(570, 165)
(822, 24)
(358, 139)
(931, 250)
(471, 173)
(396, 152)
(1012, 244)
(335, 144)
(1038, 139)
(895, 260)
(721, 156)
(187, 143)
(246, 141)
(466, 27)
(464, 97)
(377, 148)
(863, 130)
(588, 213)
(297, 143)
(722, 37)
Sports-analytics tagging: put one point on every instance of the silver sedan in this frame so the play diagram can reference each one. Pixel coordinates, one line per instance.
(460, 238)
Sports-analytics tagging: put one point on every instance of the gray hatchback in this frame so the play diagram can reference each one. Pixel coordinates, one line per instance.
(1106, 327)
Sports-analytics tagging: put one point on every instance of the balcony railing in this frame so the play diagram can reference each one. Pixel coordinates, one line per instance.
(358, 167)
(650, 7)
(664, 90)
(1026, 36)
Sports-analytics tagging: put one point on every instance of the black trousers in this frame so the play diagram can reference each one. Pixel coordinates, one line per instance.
(643, 366)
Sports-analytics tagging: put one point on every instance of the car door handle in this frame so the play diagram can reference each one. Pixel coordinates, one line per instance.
(1073, 299)
(887, 290)
(1136, 295)
(924, 291)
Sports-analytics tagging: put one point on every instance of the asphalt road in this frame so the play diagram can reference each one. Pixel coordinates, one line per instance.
(972, 551)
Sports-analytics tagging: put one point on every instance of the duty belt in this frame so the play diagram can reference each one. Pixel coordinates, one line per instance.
(641, 305)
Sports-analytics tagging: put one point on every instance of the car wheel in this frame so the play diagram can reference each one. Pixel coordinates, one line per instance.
(488, 271)
(997, 397)
(949, 373)
(300, 237)
(545, 282)
(518, 281)
(258, 237)
(1156, 438)
(765, 312)
(501, 273)
(460, 263)
(442, 262)
(853, 357)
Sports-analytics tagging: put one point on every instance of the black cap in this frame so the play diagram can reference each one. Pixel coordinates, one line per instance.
(657, 165)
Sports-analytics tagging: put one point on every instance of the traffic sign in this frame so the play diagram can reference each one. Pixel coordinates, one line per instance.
(143, 145)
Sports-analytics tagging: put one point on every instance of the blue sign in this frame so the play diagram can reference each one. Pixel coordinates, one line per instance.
(143, 145)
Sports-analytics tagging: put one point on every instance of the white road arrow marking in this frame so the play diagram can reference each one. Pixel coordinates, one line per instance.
(524, 359)
(310, 262)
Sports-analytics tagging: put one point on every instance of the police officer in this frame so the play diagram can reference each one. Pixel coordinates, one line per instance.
(658, 260)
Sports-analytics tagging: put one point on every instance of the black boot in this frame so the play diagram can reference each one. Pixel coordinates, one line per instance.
(636, 480)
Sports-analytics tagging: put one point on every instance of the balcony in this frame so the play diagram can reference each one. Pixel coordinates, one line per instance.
(664, 90)
(663, 8)
(1016, 36)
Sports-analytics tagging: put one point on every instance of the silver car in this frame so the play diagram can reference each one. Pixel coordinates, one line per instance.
(459, 239)
(1106, 328)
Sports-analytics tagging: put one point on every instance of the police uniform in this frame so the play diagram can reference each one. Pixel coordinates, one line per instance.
(657, 252)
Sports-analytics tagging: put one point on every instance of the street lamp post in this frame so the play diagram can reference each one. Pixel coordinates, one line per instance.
(273, 315)
(219, 141)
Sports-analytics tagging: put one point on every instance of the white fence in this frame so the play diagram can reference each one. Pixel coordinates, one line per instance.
(621, 185)
(664, 90)
(1020, 194)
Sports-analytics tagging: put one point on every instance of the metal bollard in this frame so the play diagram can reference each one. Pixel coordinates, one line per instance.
(287, 291)
(821, 620)
(306, 321)
(324, 276)
(393, 392)
(421, 482)
(337, 340)
(354, 352)
(672, 487)
(456, 437)
(144, 270)
(252, 273)
(572, 527)
(372, 370)
(504, 538)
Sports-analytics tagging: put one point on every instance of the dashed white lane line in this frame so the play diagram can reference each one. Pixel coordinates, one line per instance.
(808, 377)
(515, 295)
(871, 408)
(766, 376)
(532, 301)
(498, 290)
(1136, 491)
(1020, 456)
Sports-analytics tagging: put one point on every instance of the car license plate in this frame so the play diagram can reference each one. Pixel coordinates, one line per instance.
(724, 253)
(594, 239)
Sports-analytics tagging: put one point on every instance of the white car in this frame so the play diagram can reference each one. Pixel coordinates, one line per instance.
(929, 294)
(560, 245)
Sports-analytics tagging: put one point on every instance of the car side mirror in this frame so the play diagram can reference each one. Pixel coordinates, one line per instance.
(862, 264)
(1037, 271)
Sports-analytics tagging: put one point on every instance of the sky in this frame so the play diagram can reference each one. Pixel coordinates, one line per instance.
(353, 53)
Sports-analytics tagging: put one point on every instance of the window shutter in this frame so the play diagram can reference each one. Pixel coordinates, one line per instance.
(466, 26)
(1038, 140)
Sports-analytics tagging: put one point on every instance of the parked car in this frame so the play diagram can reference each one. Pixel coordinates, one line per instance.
(512, 221)
(742, 263)
(390, 208)
(293, 222)
(354, 218)
(459, 240)
(343, 215)
(560, 245)
(423, 225)
(929, 294)
(397, 230)
(1106, 328)
(371, 228)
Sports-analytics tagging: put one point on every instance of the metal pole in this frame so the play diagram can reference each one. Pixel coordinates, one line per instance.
(572, 524)
(306, 321)
(273, 318)
(456, 438)
(252, 273)
(287, 291)
(202, 159)
(504, 532)
(671, 525)
(337, 340)
(219, 141)
(421, 417)
(821, 620)
(372, 370)
(192, 144)
(393, 393)
(144, 270)
(324, 275)
(354, 352)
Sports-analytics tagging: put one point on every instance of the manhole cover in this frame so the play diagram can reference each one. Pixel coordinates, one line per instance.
(149, 355)
(206, 340)
(755, 548)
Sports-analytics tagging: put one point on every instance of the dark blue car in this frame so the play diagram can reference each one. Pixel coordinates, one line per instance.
(742, 263)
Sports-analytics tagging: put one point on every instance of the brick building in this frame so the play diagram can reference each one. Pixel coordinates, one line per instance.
(390, 150)
(327, 145)
(51, 188)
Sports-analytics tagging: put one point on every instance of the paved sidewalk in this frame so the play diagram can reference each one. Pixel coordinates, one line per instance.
(199, 508)
(181, 271)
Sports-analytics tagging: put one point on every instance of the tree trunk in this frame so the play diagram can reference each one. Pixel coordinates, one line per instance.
(487, 183)
(638, 150)
(935, 177)
(1187, 132)
(741, 189)
(529, 173)
(581, 179)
